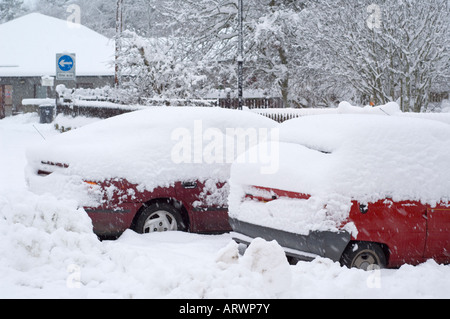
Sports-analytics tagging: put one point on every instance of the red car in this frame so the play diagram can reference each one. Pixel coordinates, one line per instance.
(174, 208)
(361, 190)
(161, 169)
(393, 233)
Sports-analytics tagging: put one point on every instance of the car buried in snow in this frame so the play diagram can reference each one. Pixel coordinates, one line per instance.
(364, 190)
(154, 170)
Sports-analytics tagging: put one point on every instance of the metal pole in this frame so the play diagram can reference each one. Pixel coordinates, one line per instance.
(241, 55)
(119, 29)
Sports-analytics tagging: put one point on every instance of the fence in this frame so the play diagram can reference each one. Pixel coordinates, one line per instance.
(252, 103)
(107, 102)
(280, 117)
(100, 103)
(101, 110)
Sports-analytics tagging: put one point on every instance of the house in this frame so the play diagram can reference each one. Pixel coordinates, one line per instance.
(28, 49)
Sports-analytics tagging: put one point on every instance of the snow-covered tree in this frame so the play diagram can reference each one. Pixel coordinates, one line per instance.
(156, 67)
(389, 51)
(272, 42)
(10, 9)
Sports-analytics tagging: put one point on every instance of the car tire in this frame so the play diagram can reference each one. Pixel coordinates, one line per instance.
(364, 255)
(159, 217)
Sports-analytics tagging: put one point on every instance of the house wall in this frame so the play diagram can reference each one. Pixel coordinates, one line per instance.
(30, 88)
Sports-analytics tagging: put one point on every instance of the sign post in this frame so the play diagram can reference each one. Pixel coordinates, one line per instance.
(240, 58)
(66, 67)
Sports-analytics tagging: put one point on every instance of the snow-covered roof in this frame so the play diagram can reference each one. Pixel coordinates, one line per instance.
(30, 43)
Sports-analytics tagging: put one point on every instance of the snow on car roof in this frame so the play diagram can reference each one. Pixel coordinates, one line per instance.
(366, 157)
(153, 147)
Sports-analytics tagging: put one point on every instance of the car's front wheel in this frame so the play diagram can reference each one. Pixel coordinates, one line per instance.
(364, 255)
(159, 217)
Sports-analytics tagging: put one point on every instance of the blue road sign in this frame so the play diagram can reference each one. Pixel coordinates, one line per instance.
(66, 66)
(65, 63)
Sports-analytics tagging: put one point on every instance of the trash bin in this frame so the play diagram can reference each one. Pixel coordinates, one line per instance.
(46, 112)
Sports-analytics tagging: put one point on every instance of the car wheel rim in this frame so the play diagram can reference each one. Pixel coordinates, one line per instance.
(160, 221)
(365, 259)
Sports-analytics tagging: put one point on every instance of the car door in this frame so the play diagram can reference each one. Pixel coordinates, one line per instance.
(399, 225)
(206, 203)
(438, 234)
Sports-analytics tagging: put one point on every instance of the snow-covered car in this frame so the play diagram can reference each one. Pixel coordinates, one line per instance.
(157, 169)
(363, 190)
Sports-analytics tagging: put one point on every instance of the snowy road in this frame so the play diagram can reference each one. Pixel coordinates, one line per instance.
(49, 251)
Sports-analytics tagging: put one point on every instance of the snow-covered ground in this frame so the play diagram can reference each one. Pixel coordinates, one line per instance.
(48, 250)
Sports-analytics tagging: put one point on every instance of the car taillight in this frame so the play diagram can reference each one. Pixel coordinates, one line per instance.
(92, 185)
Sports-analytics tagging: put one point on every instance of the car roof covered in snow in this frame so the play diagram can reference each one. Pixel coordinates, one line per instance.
(152, 147)
(366, 157)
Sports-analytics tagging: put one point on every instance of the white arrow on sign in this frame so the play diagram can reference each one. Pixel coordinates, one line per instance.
(63, 63)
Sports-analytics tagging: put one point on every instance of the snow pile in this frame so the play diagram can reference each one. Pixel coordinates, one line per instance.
(269, 260)
(48, 251)
(390, 108)
(150, 148)
(322, 278)
(441, 117)
(340, 158)
(33, 231)
(40, 238)
(264, 260)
